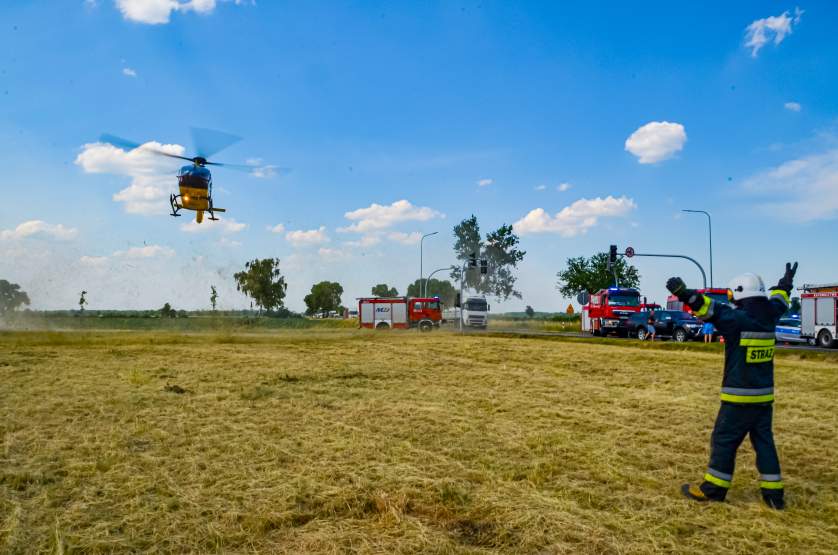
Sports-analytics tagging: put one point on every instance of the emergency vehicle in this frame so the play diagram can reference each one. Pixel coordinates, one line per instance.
(424, 313)
(819, 313)
(606, 309)
(717, 294)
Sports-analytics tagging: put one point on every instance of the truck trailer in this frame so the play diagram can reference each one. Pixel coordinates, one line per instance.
(819, 314)
(383, 313)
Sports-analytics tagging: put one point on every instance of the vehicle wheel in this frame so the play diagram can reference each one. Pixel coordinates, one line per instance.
(825, 339)
(382, 326)
(425, 326)
(680, 335)
(642, 334)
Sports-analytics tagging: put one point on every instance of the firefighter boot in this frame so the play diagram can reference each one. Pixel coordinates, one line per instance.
(774, 500)
(704, 492)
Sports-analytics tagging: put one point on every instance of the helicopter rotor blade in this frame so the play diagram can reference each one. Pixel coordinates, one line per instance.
(265, 169)
(208, 142)
(131, 145)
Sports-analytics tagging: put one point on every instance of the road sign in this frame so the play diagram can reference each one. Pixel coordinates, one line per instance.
(629, 252)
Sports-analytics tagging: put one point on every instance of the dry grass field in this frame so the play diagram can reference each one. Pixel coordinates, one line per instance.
(342, 441)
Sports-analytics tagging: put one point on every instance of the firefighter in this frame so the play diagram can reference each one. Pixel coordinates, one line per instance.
(748, 385)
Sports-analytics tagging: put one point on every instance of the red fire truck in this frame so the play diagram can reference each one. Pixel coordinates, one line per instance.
(716, 293)
(379, 313)
(607, 308)
(819, 314)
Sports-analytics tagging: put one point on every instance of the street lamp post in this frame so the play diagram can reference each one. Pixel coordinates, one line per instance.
(421, 261)
(710, 230)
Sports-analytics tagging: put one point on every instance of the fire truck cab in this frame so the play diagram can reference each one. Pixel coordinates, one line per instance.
(819, 314)
(380, 313)
(607, 308)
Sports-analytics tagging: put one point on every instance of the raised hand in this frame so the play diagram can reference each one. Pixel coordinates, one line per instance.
(786, 282)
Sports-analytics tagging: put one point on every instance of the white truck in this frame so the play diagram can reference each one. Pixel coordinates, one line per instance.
(475, 312)
(819, 314)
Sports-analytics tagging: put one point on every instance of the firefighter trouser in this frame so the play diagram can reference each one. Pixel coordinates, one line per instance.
(733, 423)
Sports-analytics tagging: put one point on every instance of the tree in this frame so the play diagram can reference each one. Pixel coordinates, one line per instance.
(324, 297)
(82, 301)
(11, 297)
(167, 311)
(383, 290)
(213, 296)
(441, 288)
(592, 274)
(499, 249)
(529, 310)
(262, 281)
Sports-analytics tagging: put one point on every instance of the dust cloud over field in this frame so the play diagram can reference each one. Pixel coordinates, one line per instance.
(343, 441)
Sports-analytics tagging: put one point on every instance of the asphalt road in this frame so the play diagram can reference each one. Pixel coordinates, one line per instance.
(514, 331)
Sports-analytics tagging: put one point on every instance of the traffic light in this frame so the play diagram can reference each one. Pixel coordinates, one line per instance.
(472, 260)
(612, 256)
(484, 266)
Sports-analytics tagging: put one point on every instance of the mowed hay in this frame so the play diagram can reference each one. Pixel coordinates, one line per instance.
(345, 441)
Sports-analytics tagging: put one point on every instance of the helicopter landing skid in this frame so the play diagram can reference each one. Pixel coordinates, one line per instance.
(175, 206)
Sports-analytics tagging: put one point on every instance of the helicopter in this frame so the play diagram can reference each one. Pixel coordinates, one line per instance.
(195, 179)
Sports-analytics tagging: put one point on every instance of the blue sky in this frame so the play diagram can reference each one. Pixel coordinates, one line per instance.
(445, 109)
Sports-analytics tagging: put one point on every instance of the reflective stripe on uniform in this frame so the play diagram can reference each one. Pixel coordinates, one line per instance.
(780, 295)
(717, 481)
(770, 477)
(723, 475)
(706, 309)
(747, 395)
(771, 485)
(757, 338)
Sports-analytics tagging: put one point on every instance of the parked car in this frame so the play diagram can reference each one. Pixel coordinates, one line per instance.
(788, 331)
(674, 324)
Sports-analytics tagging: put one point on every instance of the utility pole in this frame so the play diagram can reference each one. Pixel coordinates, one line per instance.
(710, 230)
(421, 261)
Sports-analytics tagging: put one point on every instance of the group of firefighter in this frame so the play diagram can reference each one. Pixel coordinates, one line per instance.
(747, 394)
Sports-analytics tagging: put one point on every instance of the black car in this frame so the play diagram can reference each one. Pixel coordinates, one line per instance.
(675, 324)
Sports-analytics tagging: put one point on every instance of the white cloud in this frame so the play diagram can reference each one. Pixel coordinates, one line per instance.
(39, 228)
(793, 106)
(564, 187)
(146, 195)
(575, 219)
(278, 228)
(332, 254)
(485, 182)
(367, 240)
(376, 217)
(95, 261)
(540, 187)
(155, 12)
(801, 190)
(152, 175)
(656, 141)
(301, 237)
(128, 72)
(260, 169)
(223, 224)
(405, 238)
(147, 251)
(761, 31)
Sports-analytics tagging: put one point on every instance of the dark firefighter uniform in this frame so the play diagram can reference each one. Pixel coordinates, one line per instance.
(747, 392)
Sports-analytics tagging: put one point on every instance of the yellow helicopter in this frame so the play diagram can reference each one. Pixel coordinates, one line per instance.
(194, 180)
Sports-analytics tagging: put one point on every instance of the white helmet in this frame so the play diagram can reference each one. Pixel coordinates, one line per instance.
(746, 286)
